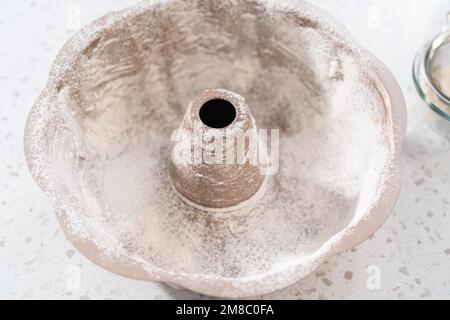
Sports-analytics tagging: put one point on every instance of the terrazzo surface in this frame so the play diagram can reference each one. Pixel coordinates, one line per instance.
(408, 258)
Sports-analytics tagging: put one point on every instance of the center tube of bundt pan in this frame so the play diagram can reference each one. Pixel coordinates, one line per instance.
(214, 160)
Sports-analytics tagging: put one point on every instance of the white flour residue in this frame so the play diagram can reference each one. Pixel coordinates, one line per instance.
(127, 92)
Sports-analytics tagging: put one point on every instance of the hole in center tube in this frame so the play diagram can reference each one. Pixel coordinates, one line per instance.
(217, 113)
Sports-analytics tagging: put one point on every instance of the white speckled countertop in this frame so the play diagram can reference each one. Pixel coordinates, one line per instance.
(409, 257)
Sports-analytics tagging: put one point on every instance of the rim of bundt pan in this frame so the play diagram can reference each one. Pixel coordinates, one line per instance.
(359, 229)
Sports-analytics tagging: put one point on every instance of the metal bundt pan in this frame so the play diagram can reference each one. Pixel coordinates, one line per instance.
(98, 142)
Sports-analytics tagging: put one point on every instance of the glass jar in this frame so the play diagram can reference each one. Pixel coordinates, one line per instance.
(431, 74)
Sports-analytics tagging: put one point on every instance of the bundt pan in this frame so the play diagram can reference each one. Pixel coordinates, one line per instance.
(99, 141)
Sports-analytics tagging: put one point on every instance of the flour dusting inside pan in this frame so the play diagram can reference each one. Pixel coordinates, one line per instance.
(98, 141)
